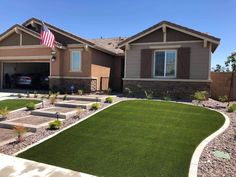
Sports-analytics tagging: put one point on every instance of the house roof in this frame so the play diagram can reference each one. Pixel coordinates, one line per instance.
(109, 43)
(190, 31)
(24, 29)
(92, 43)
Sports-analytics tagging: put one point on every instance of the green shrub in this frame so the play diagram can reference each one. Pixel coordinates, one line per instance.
(4, 112)
(19, 95)
(223, 98)
(95, 106)
(200, 96)
(232, 108)
(31, 106)
(80, 92)
(35, 94)
(56, 124)
(148, 95)
(65, 97)
(167, 98)
(109, 99)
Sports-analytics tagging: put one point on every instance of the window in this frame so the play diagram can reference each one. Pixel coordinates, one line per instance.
(75, 61)
(165, 63)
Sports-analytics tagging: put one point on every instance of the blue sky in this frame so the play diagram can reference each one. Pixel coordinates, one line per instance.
(107, 18)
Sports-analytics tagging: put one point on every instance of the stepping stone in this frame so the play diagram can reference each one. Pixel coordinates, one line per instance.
(221, 154)
(92, 98)
(53, 112)
(31, 122)
(75, 104)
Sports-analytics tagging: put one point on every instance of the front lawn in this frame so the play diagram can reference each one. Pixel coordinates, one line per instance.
(13, 104)
(131, 139)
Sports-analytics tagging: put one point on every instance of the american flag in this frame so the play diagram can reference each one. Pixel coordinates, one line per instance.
(47, 38)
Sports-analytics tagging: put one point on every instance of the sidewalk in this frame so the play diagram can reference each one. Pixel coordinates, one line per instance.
(16, 167)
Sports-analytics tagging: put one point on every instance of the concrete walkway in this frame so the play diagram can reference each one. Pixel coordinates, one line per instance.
(16, 167)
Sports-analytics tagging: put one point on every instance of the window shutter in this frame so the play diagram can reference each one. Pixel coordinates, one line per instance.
(146, 63)
(183, 63)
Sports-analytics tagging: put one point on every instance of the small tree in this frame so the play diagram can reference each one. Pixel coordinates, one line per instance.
(20, 131)
(231, 62)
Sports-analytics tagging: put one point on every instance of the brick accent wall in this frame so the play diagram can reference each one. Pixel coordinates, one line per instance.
(163, 88)
(63, 84)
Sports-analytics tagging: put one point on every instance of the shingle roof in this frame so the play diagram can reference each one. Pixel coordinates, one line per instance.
(110, 44)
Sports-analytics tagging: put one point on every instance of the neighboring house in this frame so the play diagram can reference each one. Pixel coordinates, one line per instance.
(85, 64)
(168, 59)
(164, 59)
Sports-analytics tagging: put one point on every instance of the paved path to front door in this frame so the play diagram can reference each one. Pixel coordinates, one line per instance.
(16, 167)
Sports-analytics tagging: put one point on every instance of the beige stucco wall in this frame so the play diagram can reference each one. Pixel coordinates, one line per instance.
(199, 61)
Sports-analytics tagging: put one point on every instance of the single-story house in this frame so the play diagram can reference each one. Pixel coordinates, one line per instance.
(168, 59)
(165, 58)
(76, 62)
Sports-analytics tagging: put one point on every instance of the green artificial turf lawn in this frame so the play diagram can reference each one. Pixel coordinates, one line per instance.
(13, 104)
(131, 139)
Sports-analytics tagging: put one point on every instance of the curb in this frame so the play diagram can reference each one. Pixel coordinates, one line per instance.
(193, 169)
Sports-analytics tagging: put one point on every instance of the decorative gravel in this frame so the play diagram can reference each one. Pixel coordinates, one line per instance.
(41, 133)
(211, 166)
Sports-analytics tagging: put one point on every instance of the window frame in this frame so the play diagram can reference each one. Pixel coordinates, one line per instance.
(154, 63)
(71, 60)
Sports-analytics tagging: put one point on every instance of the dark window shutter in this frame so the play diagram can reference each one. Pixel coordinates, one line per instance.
(183, 63)
(146, 63)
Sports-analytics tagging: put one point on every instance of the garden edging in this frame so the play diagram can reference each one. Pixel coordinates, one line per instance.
(193, 169)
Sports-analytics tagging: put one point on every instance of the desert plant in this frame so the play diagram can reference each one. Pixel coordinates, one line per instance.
(200, 96)
(4, 112)
(148, 95)
(167, 98)
(80, 92)
(109, 99)
(232, 108)
(129, 92)
(56, 124)
(20, 131)
(53, 99)
(35, 94)
(64, 97)
(78, 112)
(27, 95)
(56, 94)
(19, 95)
(223, 98)
(95, 106)
(31, 106)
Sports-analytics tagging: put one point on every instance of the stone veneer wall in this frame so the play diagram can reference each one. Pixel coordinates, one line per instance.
(175, 89)
(64, 84)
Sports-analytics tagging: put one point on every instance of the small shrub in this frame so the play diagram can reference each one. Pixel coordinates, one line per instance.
(80, 92)
(56, 94)
(95, 106)
(20, 131)
(128, 91)
(223, 98)
(148, 95)
(53, 99)
(56, 124)
(19, 95)
(232, 108)
(4, 112)
(27, 95)
(31, 106)
(109, 99)
(200, 96)
(35, 94)
(64, 97)
(167, 98)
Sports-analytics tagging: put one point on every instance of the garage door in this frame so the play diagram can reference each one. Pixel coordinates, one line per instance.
(27, 75)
